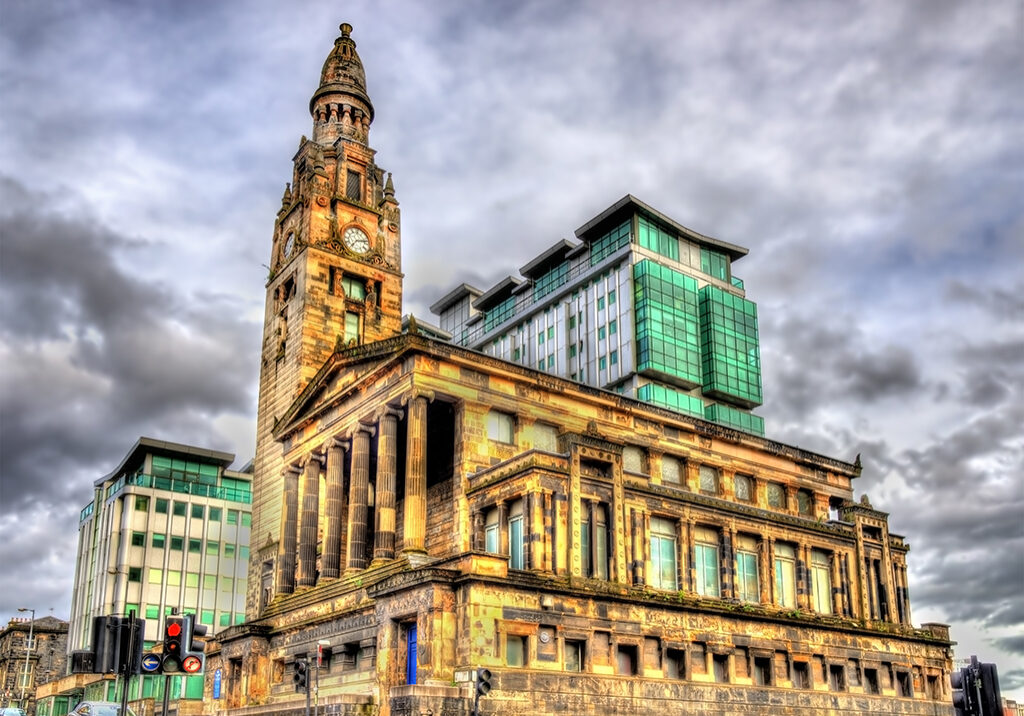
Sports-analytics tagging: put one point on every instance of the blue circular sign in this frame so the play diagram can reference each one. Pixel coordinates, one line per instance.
(150, 662)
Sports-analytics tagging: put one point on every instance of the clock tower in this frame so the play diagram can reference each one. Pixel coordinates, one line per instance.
(335, 265)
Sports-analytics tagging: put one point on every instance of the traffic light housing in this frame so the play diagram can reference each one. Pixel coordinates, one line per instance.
(193, 660)
(483, 681)
(301, 674)
(962, 683)
(174, 641)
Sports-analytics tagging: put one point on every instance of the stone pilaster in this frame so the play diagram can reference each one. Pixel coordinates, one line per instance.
(415, 518)
(384, 533)
(289, 532)
(335, 497)
(358, 498)
(309, 522)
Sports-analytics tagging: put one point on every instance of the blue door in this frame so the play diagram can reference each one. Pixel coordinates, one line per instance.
(410, 655)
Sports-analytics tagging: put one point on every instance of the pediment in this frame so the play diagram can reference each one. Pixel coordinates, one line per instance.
(344, 374)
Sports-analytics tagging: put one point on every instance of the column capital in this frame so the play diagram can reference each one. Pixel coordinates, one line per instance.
(338, 442)
(417, 393)
(387, 411)
(314, 456)
(294, 468)
(367, 425)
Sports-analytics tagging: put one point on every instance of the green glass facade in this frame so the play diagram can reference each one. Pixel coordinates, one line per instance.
(667, 328)
(609, 243)
(551, 280)
(725, 415)
(714, 264)
(500, 313)
(671, 398)
(730, 352)
(653, 237)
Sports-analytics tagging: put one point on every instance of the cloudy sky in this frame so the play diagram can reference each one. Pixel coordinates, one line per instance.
(870, 156)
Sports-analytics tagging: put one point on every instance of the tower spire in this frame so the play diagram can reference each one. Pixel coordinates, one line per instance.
(341, 106)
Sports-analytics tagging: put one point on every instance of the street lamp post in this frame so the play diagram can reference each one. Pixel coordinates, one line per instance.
(28, 651)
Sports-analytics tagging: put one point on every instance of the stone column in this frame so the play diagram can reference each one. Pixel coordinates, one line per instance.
(764, 572)
(384, 534)
(357, 505)
(289, 530)
(415, 507)
(691, 547)
(478, 541)
(308, 525)
(335, 517)
(837, 588)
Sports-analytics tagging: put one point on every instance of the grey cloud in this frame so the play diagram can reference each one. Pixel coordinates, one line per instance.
(1013, 644)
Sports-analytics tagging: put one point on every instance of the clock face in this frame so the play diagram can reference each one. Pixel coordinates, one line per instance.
(357, 240)
(289, 244)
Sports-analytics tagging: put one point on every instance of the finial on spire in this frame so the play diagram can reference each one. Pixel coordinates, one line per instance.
(346, 29)
(389, 188)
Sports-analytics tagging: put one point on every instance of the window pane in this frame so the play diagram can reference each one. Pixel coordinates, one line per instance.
(742, 487)
(708, 480)
(515, 542)
(499, 426)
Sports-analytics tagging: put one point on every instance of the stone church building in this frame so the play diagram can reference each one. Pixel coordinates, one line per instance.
(422, 509)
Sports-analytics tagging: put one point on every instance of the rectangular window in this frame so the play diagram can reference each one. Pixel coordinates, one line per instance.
(173, 578)
(613, 327)
(491, 536)
(209, 581)
(776, 495)
(572, 322)
(152, 611)
(155, 576)
(551, 362)
(821, 582)
(198, 512)
(227, 585)
(551, 333)
(598, 536)
(515, 541)
(805, 502)
(353, 185)
(192, 580)
(611, 297)
(626, 659)
(354, 288)
(500, 426)
(138, 539)
(785, 576)
(540, 338)
(159, 540)
(225, 619)
(180, 508)
(177, 543)
(351, 328)
(600, 303)
(720, 662)
(215, 514)
(515, 650)
(836, 677)
(232, 517)
(663, 554)
(762, 671)
(212, 548)
(161, 505)
(748, 588)
(706, 560)
(573, 655)
(141, 503)
(671, 470)
(742, 488)
(195, 545)
(246, 519)
(572, 351)
(708, 480)
(801, 675)
(613, 358)
(135, 574)
(229, 551)
(602, 363)
(206, 617)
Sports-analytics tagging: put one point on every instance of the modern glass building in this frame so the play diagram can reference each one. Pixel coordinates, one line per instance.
(640, 305)
(167, 530)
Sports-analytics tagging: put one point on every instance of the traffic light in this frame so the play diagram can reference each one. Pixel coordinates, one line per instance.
(483, 681)
(301, 675)
(962, 681)
(192, 658)
(174, 638)
(991, 698)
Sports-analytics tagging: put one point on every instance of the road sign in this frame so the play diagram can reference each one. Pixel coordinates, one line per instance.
(191, 664)
(150, 662)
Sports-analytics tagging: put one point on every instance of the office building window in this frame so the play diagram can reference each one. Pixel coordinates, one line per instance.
(663, 554)
(706, 561)
(198, 511)
(161, 505)
(141, 503)
(180, 508)
(135, 574)
(232, 517)
(195, 545)
(159, 540)
(138, 539)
